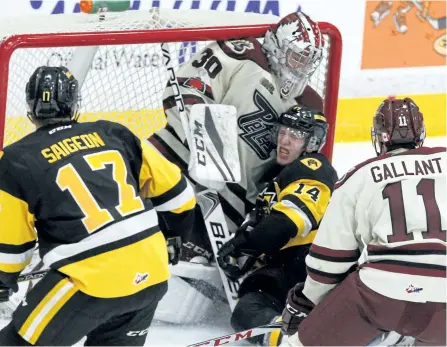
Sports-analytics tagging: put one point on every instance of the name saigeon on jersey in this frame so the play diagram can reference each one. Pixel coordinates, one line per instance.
(233, 73)
(92, 191)
(388, 216)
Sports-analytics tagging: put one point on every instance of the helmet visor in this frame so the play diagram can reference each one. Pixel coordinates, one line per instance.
(282, 132)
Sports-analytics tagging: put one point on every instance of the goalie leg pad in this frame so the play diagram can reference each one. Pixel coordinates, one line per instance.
(184, 304)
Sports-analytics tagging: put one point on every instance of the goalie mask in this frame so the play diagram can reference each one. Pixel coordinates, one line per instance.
(397, 123)
(52, 93)
(294, 50)
(299, 130)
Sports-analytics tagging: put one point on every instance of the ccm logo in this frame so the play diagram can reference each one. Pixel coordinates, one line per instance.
(200, 145)
(138, 332)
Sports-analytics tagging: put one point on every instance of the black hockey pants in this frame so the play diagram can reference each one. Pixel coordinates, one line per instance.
(51, 315)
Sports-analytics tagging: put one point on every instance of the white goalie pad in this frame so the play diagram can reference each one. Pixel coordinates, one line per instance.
(214, 151)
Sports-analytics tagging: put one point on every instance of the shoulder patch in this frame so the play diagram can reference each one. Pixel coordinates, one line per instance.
(312, 163)
(195, 83)
(240, 46)
(245, 49)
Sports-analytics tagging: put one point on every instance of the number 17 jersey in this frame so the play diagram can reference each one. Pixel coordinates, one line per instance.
(92, 192)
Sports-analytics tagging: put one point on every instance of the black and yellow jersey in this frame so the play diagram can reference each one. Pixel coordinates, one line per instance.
(293, 204)
(91, 193)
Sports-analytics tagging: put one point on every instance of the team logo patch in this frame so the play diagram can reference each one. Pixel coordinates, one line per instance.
(195, 83)
(413, 289)
(312, 163)
(140, 278)
(239, 46)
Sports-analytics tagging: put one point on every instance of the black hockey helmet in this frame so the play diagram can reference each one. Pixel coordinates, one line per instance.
(310, 124)
(52, 92)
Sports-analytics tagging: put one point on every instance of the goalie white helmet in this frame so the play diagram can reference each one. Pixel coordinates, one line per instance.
(294, 49)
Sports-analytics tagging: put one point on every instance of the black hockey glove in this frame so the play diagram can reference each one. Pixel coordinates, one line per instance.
(296, 310)
(174, 245)
(5, 292)
(234, 258)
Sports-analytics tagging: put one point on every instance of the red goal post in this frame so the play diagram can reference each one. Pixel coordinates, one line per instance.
(112, 90)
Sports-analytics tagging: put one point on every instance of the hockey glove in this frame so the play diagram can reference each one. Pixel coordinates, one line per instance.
(233, 257)
(5, 292)
(174, 245)
(296, 310)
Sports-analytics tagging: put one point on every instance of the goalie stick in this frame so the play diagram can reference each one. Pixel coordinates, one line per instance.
(242, 335)
(32, 276)
(208, 199)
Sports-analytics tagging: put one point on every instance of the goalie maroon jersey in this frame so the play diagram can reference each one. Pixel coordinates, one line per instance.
(84, 188)
(234, 73)
(387, 215)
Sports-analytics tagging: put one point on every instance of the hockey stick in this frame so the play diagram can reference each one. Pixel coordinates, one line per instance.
(32, 275)
(242, 335)
(208, 200)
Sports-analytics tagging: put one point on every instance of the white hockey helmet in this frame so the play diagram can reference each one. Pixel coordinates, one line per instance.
(294, 49)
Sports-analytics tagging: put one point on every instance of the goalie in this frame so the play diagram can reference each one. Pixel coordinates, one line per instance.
(284, 222)
(261, 81)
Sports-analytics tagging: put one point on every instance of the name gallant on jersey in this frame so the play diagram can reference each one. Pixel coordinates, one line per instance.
(386, 171)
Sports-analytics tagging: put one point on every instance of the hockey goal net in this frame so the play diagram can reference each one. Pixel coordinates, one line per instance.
(119, 61)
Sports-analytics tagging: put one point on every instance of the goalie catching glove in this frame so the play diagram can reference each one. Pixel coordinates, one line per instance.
(297, 309)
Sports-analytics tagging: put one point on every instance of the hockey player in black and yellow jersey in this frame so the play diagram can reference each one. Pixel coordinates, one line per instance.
(280, 229)
(92, 194)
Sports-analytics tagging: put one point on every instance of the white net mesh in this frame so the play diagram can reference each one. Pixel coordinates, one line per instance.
(124, 83)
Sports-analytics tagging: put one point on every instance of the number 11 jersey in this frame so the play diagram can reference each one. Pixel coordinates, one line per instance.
(388, 218)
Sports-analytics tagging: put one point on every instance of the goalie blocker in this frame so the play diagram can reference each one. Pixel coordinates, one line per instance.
(214, 153)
